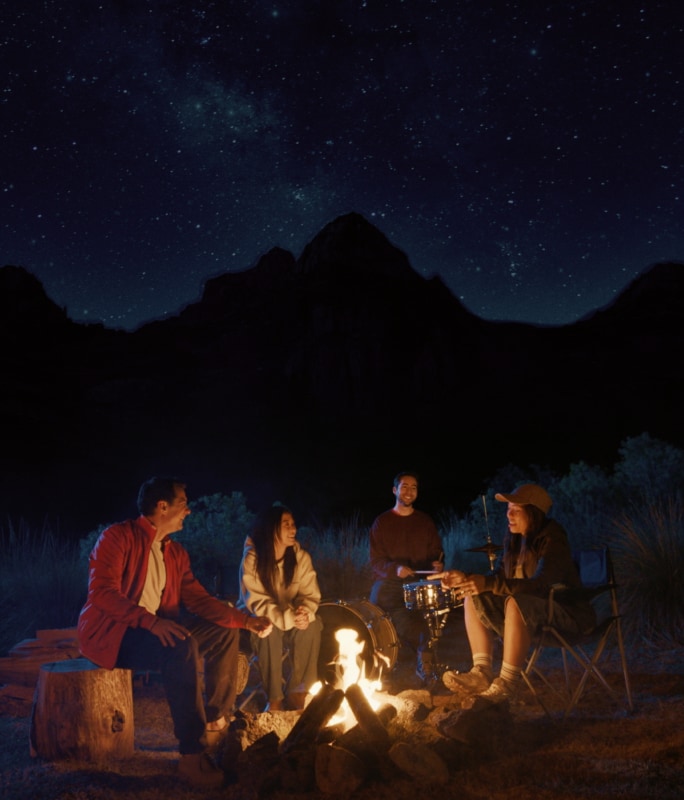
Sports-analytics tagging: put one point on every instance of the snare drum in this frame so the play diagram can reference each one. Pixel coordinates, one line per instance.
(428, 596)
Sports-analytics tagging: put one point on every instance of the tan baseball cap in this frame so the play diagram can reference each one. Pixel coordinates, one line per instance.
(528, 494)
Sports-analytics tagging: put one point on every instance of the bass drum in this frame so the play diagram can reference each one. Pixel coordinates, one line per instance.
(374, 628)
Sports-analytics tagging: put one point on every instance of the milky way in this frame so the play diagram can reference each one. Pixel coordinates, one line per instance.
(531, 158)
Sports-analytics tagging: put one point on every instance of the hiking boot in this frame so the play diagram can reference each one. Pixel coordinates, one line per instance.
(499, 691)
(477, 680)
(213, 737)
(199, 770)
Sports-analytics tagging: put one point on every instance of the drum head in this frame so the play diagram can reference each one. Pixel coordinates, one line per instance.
(374, 629)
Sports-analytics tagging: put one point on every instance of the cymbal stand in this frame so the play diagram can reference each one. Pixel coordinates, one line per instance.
(436, 619)
(491, 551)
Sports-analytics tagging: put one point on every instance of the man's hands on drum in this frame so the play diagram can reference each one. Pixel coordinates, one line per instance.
(465, 585)
(262, 626)
(404, 572)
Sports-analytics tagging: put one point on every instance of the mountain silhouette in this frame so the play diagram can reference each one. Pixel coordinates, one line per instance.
(314, 380)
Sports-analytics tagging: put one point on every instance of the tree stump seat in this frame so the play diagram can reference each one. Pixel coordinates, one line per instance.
(83, 712)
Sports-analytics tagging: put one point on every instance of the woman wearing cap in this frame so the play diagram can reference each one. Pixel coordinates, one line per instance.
(512, 602)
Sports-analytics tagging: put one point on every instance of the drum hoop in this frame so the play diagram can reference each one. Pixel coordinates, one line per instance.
(378, 616)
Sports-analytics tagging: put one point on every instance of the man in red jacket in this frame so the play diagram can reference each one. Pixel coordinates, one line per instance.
(146, 610)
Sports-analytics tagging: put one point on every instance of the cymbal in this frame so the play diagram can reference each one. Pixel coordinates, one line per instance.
(490, 547)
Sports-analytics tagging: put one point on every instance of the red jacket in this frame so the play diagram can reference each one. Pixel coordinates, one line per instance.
(117, 570)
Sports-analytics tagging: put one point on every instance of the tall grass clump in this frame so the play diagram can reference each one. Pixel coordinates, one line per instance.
(649, 555)
(340, 554)
(42, 583)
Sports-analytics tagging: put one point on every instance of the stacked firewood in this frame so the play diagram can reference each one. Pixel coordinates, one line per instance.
(19, 669)
(316, 754)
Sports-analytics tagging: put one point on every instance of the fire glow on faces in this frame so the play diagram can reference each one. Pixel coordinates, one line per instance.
(407, 491)
(518, 519)
(288, 531)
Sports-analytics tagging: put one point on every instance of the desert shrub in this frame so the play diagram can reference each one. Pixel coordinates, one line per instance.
(42, 584)
(649, 553)
(584, 501)
(648, 469)
(214, 536)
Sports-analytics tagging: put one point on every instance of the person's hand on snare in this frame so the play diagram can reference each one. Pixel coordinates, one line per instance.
(450, 578)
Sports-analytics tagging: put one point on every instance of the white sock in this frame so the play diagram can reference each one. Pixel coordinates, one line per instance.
(484, 662)
(510, 673)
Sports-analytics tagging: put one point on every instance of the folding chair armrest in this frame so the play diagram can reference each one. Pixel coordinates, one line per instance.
(557, 588)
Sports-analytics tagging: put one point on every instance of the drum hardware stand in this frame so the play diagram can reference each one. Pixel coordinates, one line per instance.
(490, 548)
(436, 619)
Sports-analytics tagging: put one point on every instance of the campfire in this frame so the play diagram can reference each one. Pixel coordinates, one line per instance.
(351, 733)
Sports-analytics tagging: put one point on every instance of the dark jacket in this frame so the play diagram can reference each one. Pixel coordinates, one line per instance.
(547, 561)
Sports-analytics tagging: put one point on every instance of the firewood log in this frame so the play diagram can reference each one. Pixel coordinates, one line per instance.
(315, 716)
(368, 720)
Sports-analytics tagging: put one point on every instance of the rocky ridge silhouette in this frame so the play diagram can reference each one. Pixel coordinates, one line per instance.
(312, 380)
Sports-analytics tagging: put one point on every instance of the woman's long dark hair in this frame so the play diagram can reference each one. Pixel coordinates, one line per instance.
(515, 545)
(264, 531)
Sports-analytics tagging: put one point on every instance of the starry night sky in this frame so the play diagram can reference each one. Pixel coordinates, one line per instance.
(531, 154)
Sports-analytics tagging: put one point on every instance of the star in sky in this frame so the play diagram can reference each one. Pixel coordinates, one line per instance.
(531, 157)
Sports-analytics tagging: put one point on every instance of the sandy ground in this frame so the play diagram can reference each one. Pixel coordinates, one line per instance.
(601, 750)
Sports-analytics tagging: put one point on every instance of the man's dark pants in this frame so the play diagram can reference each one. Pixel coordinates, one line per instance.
(212, 650)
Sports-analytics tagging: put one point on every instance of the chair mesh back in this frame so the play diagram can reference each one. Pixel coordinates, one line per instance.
(592, 566)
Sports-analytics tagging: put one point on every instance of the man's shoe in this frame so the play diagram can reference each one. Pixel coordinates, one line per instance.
(199, 770)
(477, 680)
(499, 691)
(212, 737)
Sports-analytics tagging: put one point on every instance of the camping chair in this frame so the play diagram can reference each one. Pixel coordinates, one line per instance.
(584, 650)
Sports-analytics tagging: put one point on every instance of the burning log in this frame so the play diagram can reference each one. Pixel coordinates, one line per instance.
(315, 716)
(356, 739)
(368, 720)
